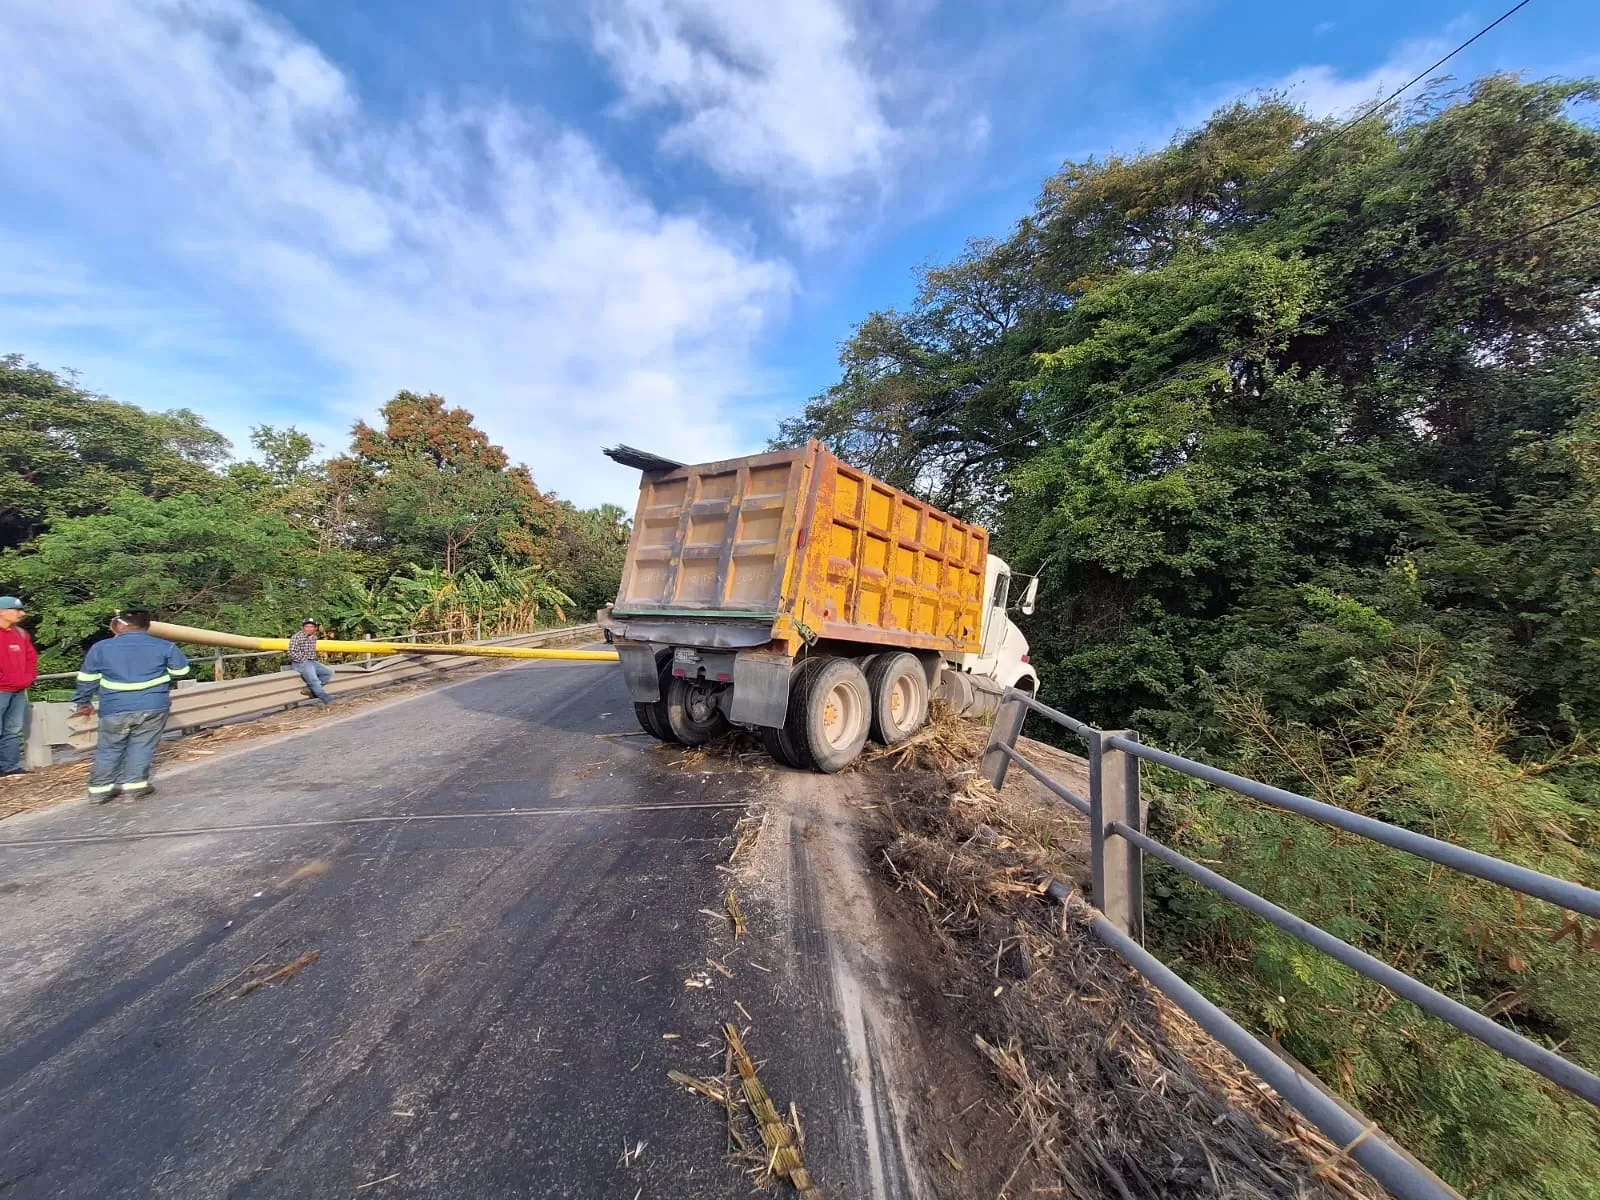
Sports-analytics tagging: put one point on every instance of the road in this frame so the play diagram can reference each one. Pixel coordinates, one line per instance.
(503, 893)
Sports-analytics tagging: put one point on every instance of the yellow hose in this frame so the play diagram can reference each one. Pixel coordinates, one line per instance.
(212, 637)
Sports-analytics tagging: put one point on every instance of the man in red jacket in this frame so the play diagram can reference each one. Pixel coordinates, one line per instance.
(19, 667)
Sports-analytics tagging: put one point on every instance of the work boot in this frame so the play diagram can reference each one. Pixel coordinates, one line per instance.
(102, 795)
(138, 791)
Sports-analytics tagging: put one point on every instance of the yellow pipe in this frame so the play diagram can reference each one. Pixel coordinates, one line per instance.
(212, 637)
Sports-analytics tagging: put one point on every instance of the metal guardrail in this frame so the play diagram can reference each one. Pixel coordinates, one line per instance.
(1118, 841)
(200, 705)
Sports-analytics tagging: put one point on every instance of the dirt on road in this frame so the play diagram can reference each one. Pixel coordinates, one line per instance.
(995, 1050)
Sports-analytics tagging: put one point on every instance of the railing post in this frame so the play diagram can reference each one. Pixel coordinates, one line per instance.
(45, 725)
(366, 659)
(1117, 864)
(217, 669)
(1007, 728)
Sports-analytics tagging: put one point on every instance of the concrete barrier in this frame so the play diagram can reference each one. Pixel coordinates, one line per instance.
(200, 705)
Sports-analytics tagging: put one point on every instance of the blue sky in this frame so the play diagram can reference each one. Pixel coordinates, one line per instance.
(641, 220)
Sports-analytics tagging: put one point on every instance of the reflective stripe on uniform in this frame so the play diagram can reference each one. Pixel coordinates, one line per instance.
(86, 677)
(176, 671)
(140, 786)
(102, 789)
(113, 685)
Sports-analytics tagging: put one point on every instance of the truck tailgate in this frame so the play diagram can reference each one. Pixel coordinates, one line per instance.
(800, 539)
(716, 539)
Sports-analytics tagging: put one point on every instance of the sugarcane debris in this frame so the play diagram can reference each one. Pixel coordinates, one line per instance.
(247, 969)
(784, 1159)
(1097, 1066)
(740, 929)
(784, 1141)
(631, 1155)
(280, 974)
(711, 1089)
(748, 830)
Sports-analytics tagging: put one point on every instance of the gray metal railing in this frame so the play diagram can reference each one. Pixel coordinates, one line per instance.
(1118, 841)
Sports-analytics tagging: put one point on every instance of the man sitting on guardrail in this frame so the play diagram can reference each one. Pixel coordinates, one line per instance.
(303, 659)
(133, 672)
(19, 667)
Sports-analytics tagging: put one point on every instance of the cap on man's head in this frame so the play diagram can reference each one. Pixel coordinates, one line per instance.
(309, 621)
(10, 602)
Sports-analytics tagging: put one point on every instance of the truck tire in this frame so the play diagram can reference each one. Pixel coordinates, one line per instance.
(692, 711)
(653, 717)
(772, 739)
(899, 690)
(830, 715)
(777, 741)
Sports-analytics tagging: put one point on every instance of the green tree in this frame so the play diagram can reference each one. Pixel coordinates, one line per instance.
(211, 558)
(430, 486)
(585, 553)
(66, 452)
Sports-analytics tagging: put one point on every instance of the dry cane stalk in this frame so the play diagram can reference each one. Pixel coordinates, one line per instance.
(737, 913)
(784, 1157)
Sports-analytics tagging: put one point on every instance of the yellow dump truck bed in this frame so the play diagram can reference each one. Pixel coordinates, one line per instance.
(800, 540)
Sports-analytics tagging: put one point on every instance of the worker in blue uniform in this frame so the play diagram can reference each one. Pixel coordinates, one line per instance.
(133, 673)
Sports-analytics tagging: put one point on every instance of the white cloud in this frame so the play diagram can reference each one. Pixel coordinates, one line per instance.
(1324, 92)
(776, 92)
(806, 100)
(481, 252)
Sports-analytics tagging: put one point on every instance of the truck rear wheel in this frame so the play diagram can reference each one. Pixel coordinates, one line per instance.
(899, 690)
(692, 711)
(830, 714)
(653, 716)
(777, 741)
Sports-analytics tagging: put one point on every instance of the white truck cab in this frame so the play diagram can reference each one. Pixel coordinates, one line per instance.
(1004, 654)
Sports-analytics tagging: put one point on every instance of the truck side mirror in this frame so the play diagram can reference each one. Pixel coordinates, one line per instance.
(1030, 598)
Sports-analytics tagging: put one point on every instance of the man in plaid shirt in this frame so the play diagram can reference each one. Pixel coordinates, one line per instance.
(303, 660)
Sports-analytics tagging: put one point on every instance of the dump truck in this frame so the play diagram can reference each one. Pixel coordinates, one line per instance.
(792, 594)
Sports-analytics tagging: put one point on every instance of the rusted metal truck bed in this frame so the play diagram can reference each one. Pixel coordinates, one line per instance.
(807, 546)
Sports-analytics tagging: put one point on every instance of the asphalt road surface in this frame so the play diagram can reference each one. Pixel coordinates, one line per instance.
(496, 906)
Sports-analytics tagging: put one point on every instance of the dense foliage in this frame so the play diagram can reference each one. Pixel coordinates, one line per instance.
(424, 524)
(1302, 429)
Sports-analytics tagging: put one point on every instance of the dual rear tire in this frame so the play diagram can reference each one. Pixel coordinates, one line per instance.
(834, 706)
(653, 716)
(687, 712)
(900, 697)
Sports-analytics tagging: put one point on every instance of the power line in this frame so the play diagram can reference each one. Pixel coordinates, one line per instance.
(1320, 143)
(1315, 319)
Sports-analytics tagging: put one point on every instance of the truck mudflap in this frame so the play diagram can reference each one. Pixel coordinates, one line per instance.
(639, 672)
(760, 688)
